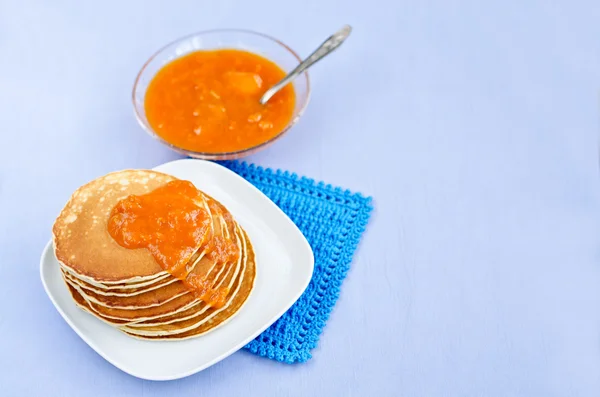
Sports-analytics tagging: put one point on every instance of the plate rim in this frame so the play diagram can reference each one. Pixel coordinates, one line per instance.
(48, 247)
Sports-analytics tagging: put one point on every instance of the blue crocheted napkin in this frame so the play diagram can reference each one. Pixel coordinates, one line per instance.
(332, 220)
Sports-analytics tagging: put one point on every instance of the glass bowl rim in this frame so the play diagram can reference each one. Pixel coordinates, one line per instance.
(219, 155)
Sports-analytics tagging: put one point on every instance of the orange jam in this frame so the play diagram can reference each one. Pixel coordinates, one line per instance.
(171, 224)
(203, 289)
(208, 101)
(166, 221)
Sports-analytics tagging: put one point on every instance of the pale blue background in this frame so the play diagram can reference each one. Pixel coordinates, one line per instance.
(473, 125)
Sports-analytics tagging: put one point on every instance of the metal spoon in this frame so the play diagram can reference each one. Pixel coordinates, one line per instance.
(324, 49)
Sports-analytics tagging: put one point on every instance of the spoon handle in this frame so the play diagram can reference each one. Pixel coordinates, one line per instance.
(328, 46)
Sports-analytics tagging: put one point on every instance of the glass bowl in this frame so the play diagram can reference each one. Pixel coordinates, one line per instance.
(257, 43)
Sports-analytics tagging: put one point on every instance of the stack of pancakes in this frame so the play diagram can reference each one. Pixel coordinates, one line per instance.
(127, 288)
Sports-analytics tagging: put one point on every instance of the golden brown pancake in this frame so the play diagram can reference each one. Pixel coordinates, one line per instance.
(227, 279)
(81, 240)
(158, 282)
(210, 319)
(119, 287)
(144, 300)
(143, 308)
(216, 317)
(127, 288)
(204, 313)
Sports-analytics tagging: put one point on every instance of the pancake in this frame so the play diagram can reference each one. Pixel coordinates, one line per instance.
(144, 300)
(230, 280)
(127, 288)
(158, 282)
(125, 291)
(82, 243)
(216, 318)
(208, 320)
(204, 313)
(157, 303)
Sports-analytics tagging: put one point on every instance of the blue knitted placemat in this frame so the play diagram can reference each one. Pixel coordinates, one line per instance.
(332, 220)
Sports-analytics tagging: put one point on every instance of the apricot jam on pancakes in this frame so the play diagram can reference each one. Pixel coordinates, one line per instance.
(172, 224)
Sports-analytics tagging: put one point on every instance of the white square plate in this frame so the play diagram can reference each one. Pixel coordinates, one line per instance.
(284, 266)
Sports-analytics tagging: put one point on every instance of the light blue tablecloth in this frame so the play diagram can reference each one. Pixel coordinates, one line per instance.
(473, 124)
